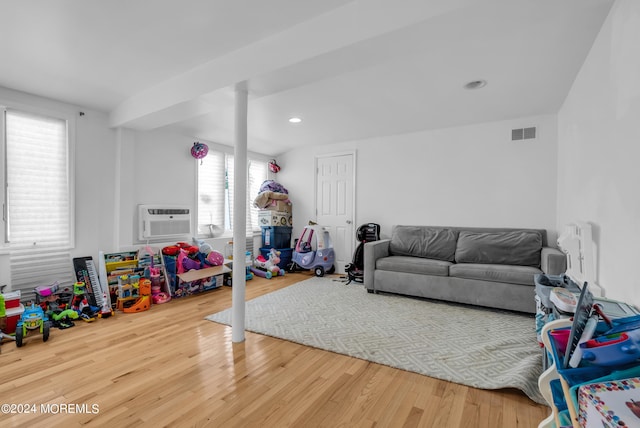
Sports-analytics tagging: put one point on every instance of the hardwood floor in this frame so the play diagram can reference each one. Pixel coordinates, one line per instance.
(170, 367)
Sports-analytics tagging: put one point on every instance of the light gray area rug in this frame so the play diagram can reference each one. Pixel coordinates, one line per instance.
(476, 347)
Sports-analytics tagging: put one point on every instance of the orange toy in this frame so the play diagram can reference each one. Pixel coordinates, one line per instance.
(142, 303)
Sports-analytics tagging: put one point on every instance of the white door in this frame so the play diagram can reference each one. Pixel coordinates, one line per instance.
(334, 203)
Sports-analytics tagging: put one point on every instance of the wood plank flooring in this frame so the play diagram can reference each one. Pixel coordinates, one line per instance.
(170, 367)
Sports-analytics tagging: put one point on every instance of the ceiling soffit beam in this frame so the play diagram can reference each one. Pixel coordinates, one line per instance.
(347, 25)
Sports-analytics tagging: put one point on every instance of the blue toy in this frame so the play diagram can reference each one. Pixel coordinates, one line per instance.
(33, 318)
(320, 258)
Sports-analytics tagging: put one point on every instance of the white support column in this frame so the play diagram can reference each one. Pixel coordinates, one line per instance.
(239, 215)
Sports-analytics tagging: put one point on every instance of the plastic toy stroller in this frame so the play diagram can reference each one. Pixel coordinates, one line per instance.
(366, 233)
(319, 259)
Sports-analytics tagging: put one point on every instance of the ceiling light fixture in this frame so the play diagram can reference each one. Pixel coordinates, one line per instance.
(475, 84)
(295, 120)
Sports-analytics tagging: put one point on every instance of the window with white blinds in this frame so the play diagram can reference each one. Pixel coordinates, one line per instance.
(38, 202)
(216, 193)
(37, 199)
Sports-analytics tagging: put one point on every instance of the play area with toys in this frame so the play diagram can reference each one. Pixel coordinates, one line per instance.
(133, 281)
(129, 282)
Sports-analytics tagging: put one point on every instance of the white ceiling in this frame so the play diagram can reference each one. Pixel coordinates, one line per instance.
(350, 69)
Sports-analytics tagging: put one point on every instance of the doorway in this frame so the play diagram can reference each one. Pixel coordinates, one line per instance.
(335, 191)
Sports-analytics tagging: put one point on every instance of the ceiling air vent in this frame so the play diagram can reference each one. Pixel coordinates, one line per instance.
(523, 134)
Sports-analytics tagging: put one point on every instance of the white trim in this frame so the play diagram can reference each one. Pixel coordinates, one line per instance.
(71, 148)
(4, 247)
(117, 194)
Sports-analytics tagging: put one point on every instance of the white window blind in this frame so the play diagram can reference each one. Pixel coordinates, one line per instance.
(38, 200)
(258, 173)
(211, 194)
(216, 193)
(38, 196)
(31, 268)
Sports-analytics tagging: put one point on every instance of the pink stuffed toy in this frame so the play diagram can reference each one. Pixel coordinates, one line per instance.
(215, 258)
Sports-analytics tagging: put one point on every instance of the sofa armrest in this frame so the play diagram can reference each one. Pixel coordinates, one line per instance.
(553, 261)
(372, 252)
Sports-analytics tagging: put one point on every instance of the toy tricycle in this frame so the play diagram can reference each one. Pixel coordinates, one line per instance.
(305, 257)
(33, 318)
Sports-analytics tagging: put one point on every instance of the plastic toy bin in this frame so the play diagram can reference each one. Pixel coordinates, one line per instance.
(13, 315)
(12, 299)
(276, 236)
(585, 372)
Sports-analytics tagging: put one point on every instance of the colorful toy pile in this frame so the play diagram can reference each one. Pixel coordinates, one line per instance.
(193, 267)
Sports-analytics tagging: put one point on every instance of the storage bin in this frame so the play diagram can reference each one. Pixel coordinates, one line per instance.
(274, 218)
(276, 236)
(13, 315)
(586, 371)
(12, 299)
(545, 283)
(285, 256)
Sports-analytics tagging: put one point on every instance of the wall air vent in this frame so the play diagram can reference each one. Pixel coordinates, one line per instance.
(523, 134)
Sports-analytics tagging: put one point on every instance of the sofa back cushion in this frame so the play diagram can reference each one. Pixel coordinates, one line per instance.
(424, 241)
(521, 247)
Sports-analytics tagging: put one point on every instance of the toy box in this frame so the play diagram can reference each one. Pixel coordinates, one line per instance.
(274, 218)
(12, 299)
(196, 281)
(13, 315)
(278, 205)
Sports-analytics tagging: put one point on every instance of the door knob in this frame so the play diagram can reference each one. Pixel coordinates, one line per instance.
(348, 221)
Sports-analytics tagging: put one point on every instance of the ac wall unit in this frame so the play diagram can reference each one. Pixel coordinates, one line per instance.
(161, 221)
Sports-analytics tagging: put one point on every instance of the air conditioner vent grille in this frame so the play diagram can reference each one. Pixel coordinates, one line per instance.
(163, 222)
(167, 211)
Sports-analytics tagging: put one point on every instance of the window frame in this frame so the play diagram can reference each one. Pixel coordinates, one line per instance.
(61, 113)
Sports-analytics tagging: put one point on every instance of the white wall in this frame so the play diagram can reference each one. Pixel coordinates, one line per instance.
(156, 167)
(94, 177)
(466, 176)
(599, 151)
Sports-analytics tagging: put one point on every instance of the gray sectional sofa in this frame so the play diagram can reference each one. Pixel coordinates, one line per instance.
(492, 267)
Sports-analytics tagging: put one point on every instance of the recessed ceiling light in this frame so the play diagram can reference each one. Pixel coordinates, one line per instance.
(475, 84)
(295, 120)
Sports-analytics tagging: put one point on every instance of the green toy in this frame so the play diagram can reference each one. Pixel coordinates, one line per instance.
(67, 313)
(3, 315)
(63, 319)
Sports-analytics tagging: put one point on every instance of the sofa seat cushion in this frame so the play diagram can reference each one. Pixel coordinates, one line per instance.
(496, 273)
(519, 248)
(424, 241)
(414, 265)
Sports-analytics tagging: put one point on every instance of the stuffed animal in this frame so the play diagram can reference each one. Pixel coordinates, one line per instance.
(185, 264)
(208, 255)
(215, 258)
